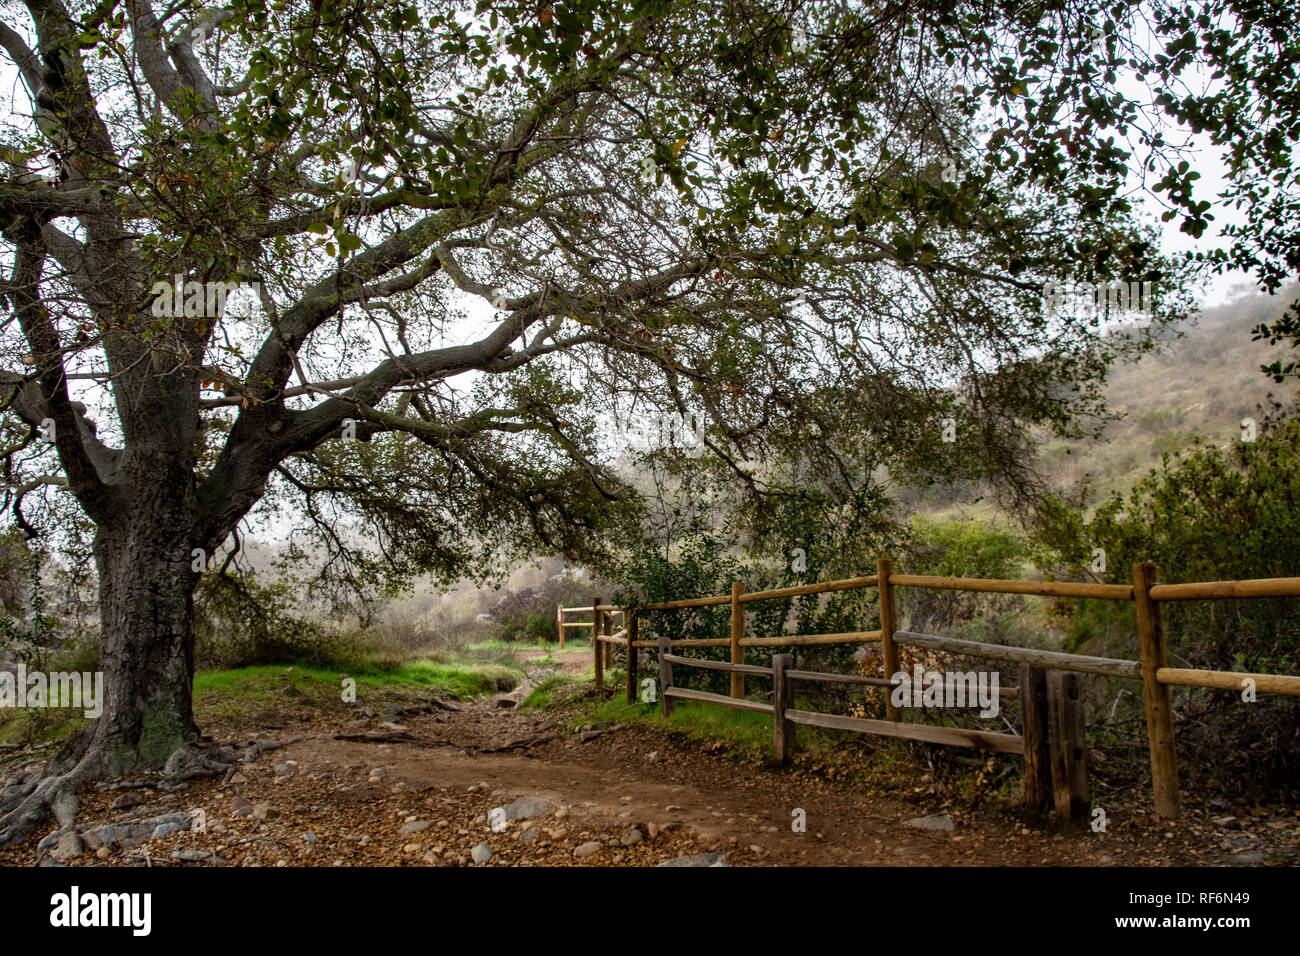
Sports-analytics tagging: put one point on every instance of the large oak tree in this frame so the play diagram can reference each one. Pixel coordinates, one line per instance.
(730, 211)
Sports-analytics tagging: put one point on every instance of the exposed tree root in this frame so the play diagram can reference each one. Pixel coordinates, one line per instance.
(26, 803)
(32, 803)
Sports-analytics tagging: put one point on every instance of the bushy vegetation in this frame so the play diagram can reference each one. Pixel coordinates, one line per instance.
(1208, 513)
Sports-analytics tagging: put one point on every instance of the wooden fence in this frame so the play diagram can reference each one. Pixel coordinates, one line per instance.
(1052, 719)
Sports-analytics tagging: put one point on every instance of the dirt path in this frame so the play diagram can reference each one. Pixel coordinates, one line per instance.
(425, 795)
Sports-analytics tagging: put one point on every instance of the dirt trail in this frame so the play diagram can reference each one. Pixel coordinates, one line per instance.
(424, 795)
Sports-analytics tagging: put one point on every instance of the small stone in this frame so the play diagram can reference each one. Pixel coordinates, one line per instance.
(586, 849)
(69, 845)
(365, 839)
(653, 756)
(652, 829)
(631, 837)
(287, 769)
(1224, 821)
(309, 838)
(430, 857)
(416, 826)
(561, 813)
(237, 777)
(481, 853)
(528, 836)
(190, 856)
(411, 848)
(756, 848)
(127, 800)
(291, 691)
(264, 811)
(241, 807)
(103, 852)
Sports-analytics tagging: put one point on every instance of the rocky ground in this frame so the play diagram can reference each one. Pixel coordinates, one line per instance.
(436, 783)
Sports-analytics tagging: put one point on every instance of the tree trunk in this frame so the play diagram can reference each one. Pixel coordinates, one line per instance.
(146, 653)
(146, 645)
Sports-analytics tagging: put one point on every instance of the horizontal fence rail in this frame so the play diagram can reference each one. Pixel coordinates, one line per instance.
(1051, 712)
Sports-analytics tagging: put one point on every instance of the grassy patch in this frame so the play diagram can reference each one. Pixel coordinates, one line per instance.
(33, 726)
(229, 692)
(553, 692)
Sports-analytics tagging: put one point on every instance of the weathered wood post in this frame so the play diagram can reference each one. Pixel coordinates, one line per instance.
(782, 699)
(609, 629)
(888, 623)
(559, 623)
(665, 676)
(1160, 715)
(1034, 728)
(737, 633)
(630, 620)
(1068, 751)
(596, 648)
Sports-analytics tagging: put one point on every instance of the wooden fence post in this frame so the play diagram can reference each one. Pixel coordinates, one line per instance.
(737, 633)
(1069, 753)
(598, 651)
(1033, 727)
(1160, 716)
(629, 619)
(559, 623)
(782, 699)
(609, 629)
(665, 676)
(888, 622)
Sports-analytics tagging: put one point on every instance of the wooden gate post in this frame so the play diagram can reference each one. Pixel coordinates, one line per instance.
(559, 622)
(737, 633)
(782, 699)
(607, 628)
(1160, 715)
(665, 676)
(629, 618)
(888, 622)
(1034, 729)
(597, 649)
(1069, 753)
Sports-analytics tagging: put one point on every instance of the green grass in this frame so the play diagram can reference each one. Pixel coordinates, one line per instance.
(741, 733)
(552, 692)
(229, 692)
(39, 726)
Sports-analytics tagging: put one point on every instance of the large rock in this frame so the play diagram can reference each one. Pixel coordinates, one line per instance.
(698, 859)
(526, 807)
(69, 845)
(416, 826)
(52, 839)
(586, 849)
(131, 834)
(935, 821)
